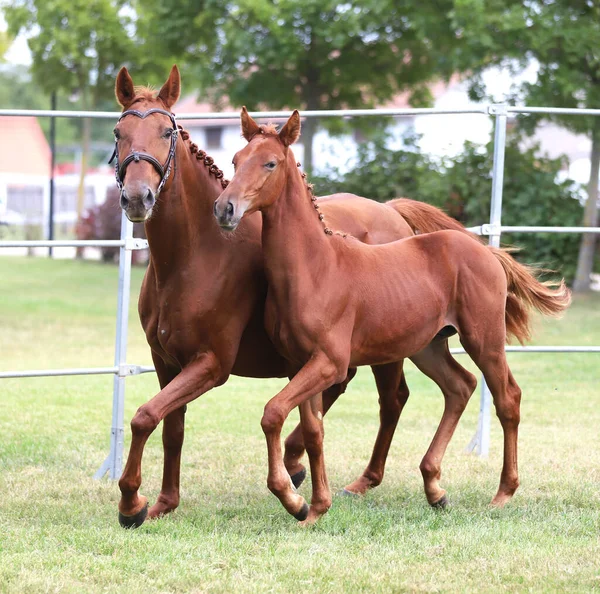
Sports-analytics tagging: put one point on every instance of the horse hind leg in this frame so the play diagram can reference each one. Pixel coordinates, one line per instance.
(294, 442)
(393, 394)
(457, 385)
(507, 401)
(508, 409)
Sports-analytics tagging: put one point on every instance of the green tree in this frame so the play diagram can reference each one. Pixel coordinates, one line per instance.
(562, 37)
(77, 47)
(310, 54)
(4, 44)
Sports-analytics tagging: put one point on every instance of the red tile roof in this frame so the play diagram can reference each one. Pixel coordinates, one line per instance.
(23, 147)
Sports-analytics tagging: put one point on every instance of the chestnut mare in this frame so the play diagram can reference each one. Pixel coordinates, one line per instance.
(202, 299)
(335, 303)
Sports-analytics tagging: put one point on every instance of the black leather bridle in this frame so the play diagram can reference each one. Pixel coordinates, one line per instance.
(163, 170)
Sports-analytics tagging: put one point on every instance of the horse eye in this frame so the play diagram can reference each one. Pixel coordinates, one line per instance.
(271, 165)
(117, 134)
(168, 133)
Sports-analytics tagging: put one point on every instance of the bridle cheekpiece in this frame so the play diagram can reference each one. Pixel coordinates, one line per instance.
(163, 170)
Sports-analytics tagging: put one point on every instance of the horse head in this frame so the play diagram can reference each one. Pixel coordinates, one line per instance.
(261, 170)
(145, 142)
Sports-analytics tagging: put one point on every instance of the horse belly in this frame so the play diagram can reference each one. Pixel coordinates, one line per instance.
(397, 320)
(383, 345)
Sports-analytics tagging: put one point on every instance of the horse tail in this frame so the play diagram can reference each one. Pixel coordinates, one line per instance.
(424, 218)
(526, 292)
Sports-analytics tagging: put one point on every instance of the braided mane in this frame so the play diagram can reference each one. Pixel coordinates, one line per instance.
(201, 156)
(313, 199)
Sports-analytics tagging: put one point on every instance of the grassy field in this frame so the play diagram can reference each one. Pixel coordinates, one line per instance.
(59, 529)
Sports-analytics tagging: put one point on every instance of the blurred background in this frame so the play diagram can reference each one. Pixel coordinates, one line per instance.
(317, 54)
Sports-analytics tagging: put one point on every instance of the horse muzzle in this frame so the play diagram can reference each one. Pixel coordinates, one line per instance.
(226, 215)
(137, 204)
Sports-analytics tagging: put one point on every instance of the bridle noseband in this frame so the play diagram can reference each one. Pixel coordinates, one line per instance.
(163, 170)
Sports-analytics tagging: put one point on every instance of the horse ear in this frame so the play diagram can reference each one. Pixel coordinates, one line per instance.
(124, 91)
(249, 126)
(169, 93)
(291, 131)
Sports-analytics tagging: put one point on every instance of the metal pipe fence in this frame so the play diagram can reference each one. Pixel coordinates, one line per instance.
(121, 369)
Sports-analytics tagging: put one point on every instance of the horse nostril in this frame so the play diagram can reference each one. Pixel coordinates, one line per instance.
(148, 199)
(229, 209)
(215, 208)
(124, 200)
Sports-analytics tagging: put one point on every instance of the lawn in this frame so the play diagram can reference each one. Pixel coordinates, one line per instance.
(59, 529)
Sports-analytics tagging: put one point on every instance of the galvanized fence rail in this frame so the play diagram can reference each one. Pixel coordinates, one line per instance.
(121, 369)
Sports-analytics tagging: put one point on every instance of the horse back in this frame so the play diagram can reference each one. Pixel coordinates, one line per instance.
(368, 221)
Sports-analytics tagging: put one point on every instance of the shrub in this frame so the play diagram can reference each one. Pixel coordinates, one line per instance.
(104, 222)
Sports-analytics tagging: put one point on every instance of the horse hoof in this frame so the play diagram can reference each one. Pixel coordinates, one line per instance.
(442, 503)
(303, 513)
(346, 493)
(134, 521)
(298, 478)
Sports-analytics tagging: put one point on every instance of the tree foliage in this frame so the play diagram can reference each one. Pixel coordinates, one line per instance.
(533, 194)
(5, 42)
(562, 37)
(77, 46)
(314, 54)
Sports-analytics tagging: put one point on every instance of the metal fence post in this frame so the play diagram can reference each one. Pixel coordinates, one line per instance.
(480, 443)
(52, 168)
(114, 461)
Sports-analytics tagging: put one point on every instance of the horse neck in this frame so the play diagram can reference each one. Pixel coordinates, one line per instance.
(183, 217)
(295, 246)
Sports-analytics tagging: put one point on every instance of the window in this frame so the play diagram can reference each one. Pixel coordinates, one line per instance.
(213, 137)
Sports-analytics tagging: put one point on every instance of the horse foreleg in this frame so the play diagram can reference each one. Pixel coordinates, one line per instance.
(294, 443)
(393, 394)
(311, 419)
(317, 375)
(172, 438)
(195, 379)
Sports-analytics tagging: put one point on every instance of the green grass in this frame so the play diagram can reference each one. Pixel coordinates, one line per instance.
(58, 526)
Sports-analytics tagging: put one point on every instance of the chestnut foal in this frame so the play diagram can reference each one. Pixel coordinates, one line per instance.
(335, 303)
(202, 300)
